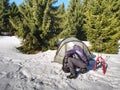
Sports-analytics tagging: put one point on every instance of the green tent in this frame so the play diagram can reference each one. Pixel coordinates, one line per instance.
(64, 46)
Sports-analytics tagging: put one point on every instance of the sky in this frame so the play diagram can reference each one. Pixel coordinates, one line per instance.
(58, 3)
(16, 1)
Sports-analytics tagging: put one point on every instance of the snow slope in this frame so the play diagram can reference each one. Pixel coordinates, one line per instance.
(38, 71)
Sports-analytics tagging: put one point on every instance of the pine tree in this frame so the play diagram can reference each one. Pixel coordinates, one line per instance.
(102, 26)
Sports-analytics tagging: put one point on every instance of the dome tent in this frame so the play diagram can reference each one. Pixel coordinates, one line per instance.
(67, 44)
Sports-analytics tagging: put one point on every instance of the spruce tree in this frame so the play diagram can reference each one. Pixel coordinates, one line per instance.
(48, 24)
(1, 16)
(73, 20)
(58, 24)
(102, 25)
(4, 15)
(80, 9)
(13, 13)
(28, 27)
(70, 20)
(35, 24)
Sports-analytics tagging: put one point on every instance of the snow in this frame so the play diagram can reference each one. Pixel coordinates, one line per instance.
(87, 43)
(20, 71)
(119, 42)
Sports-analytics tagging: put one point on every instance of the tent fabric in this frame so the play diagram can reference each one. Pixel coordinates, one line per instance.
(65, 45)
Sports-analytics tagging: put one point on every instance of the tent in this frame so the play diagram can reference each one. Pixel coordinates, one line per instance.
(64, 46)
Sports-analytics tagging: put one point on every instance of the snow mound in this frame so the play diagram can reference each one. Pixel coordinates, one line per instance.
(38, 71)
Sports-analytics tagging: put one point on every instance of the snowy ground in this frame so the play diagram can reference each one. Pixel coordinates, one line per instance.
(38, 71)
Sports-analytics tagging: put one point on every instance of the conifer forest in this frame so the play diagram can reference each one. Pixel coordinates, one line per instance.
(39, 23)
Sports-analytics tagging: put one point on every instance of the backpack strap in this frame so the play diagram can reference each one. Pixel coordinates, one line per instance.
(65, 67)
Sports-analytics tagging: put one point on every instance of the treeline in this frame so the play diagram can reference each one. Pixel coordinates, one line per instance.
(40, 23)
